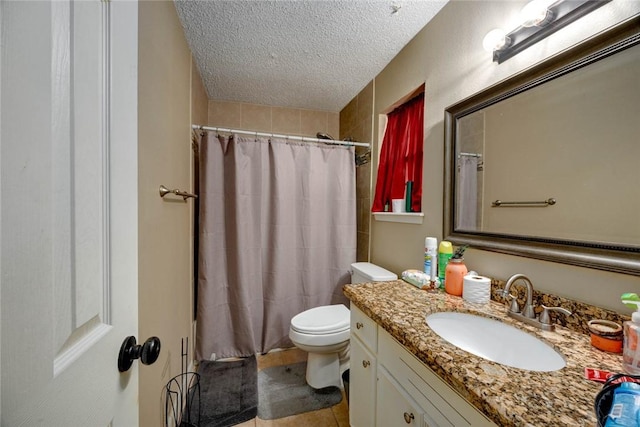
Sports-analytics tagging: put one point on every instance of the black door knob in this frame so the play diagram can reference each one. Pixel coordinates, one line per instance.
(130, 351)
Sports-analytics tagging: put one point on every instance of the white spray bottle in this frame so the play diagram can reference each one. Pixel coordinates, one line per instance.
(431, 260)
(631, 328)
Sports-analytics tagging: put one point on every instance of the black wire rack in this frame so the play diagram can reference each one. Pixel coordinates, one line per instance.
(182, 396)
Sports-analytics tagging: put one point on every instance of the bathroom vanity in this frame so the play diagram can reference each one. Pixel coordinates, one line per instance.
(391, 387)
(402, 373)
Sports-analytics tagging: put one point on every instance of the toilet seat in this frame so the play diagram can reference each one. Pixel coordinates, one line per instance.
(328, 319)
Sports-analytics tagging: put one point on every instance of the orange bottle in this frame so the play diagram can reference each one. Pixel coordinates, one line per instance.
(454, 276)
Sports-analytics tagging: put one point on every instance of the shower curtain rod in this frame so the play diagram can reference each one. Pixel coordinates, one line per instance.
(275, 135)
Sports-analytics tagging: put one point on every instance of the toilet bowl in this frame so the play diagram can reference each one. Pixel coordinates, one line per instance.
(324, 332)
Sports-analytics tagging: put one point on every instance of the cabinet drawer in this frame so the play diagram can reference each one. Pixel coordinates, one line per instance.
(364, 328)
(440, 402)
(395, 407)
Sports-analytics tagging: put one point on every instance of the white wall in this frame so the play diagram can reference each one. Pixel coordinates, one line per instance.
(448, 56)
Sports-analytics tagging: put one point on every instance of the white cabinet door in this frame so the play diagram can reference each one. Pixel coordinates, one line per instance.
(68, 218)
(362, 385)
(394, 406)
(443, 407)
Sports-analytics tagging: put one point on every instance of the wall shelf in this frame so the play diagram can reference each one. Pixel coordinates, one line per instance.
(403, 217)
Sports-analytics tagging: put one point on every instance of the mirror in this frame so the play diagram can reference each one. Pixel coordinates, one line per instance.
(546, 163)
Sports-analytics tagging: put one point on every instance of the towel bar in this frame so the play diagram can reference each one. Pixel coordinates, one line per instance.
(164, 191)
(543, 203)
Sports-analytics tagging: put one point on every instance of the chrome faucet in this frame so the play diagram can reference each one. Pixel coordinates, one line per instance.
(527, 310)
(528, 314)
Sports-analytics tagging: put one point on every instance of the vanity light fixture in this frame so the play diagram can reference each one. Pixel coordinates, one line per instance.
(538, 19)
(495, 39)
(536, 13)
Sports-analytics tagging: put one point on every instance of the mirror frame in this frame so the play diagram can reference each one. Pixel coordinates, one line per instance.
(610, 257)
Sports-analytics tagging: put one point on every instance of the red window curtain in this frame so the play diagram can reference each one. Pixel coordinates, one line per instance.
(401, 156)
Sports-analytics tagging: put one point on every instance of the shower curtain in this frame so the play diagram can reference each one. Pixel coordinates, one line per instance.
(277, 236)
(467, 219)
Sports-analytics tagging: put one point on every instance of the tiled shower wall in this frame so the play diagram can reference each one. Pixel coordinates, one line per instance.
(264, 118)
(356, 122)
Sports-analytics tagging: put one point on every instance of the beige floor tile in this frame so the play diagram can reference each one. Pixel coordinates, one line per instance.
(293, 355)
(268, 360)
(281, 357)
(341, 412)
(250, 423)
(321, 418)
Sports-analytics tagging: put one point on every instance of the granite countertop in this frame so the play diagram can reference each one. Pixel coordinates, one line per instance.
(508, 396)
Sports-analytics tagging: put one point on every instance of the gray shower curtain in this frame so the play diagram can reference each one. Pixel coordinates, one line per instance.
(468, 194)
(277, 235)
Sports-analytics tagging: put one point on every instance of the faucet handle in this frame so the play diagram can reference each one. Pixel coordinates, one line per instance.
(544, 316)
(513, 306)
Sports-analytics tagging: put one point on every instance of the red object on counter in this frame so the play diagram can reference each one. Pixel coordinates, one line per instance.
(601, 376)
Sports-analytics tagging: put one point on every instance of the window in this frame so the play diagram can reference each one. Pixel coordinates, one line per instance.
(400, 168)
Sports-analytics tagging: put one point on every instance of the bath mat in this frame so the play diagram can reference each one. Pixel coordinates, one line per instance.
(283, 391)
(228, 392)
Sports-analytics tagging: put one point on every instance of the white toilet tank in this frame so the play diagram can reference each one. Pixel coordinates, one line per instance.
(363, 272)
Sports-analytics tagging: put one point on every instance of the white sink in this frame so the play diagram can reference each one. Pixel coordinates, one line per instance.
(496, 341)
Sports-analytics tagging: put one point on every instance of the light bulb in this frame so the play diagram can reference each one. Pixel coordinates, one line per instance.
(495, 40)
(536, 13)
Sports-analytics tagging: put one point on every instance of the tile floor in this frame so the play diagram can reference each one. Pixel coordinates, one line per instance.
(335, 416)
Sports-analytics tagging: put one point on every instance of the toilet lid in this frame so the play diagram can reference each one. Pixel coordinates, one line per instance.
(322, 320)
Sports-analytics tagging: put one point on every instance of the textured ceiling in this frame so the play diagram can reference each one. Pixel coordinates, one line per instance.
(312, 54)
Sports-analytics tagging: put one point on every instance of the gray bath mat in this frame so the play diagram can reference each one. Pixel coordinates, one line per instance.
(228, 392)
(283, 391)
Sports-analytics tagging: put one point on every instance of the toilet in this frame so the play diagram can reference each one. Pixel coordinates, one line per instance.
(324, 332)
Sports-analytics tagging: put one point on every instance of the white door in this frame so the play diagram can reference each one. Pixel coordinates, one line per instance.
(68, 212)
